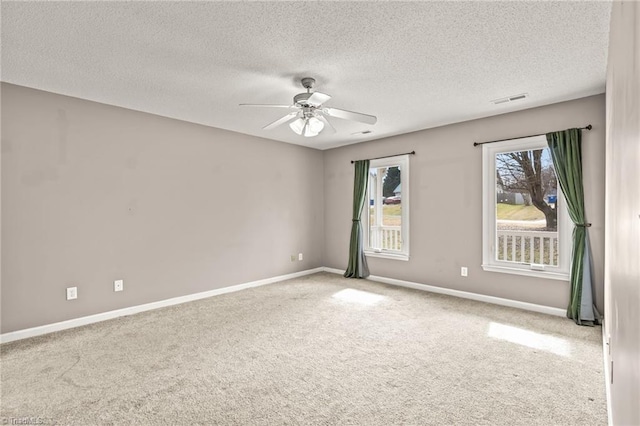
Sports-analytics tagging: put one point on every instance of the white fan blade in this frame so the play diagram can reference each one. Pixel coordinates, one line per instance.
(317, 98)
(327, 125)
(350, 115)
(268, 105)
(280, 121)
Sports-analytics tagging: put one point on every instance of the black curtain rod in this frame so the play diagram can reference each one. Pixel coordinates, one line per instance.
(386, 156)
(588, 127)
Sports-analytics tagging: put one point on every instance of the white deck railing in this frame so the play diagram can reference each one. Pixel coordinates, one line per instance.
(513, 246)
(386, 237)
(539, 247)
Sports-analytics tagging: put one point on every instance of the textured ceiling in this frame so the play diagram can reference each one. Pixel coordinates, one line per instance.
(414, 65)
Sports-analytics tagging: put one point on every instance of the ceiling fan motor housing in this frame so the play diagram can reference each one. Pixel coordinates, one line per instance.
(300, 99)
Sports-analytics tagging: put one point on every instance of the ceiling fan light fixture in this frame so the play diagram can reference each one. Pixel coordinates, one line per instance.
(297, 125)
(308, 131)
(315, 125)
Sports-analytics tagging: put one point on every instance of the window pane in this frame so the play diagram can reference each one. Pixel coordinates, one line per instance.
(526, 201)
(389, 232)
(374, 207)
(385, 210)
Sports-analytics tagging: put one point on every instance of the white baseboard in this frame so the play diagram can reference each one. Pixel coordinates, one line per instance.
(77, 322)
(464, 294)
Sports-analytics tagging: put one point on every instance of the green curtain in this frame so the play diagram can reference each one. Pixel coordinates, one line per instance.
(566, 152)
(357, 267)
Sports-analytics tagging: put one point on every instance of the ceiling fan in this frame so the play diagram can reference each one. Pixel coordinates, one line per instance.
(309, 115)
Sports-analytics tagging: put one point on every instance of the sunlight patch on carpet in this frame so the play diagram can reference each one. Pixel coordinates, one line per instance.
(530, 339)
(359, 297)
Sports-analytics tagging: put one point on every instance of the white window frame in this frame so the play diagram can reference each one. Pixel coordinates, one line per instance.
(489, 239)
(401, 161)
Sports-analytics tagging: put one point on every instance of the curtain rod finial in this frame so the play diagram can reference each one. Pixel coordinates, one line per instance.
(589, 127)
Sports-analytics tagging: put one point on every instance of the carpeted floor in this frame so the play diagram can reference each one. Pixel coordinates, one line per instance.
(318, 350)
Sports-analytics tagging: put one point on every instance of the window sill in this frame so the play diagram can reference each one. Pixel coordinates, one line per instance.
(386, 255)
(551, 275)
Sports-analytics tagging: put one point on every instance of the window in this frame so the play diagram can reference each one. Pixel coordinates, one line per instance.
(526, 228)
(386, 226)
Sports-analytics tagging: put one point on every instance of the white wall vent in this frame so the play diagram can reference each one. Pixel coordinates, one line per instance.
(510, 99)
(364, 132)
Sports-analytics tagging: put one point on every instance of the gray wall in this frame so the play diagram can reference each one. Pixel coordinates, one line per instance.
(93, 193)
(446, 201)
(622, 274)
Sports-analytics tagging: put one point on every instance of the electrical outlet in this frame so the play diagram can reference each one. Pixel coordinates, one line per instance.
(118, 285)
(300, 256)
(293, 257)
(464, 271)
(72, 293)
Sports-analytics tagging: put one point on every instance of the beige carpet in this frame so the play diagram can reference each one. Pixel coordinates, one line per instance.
(319, 350)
